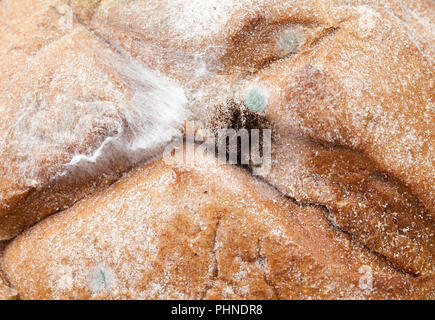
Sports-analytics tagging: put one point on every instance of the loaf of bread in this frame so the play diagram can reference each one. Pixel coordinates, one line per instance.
(171, 231)
(92, 91)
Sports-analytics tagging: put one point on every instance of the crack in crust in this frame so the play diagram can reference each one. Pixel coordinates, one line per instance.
(402, 240)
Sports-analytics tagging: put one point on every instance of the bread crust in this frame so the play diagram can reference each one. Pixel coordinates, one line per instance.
(359, 80)
(75, 114)
(6, 292)
(347, 87)
(172, 231)
(360, 75)
(372, 207)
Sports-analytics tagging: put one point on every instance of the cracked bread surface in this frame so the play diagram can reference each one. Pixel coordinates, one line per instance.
(359, 198)
(171, 231)
(360, 74)
(74, 113)
(347, 87)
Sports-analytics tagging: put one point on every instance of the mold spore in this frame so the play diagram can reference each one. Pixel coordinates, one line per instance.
(102, 279)
(289, 41)
(255, 99)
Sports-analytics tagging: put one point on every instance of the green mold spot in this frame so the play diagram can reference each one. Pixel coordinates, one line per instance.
(255, 101)
(101, 279)
(289, 41)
